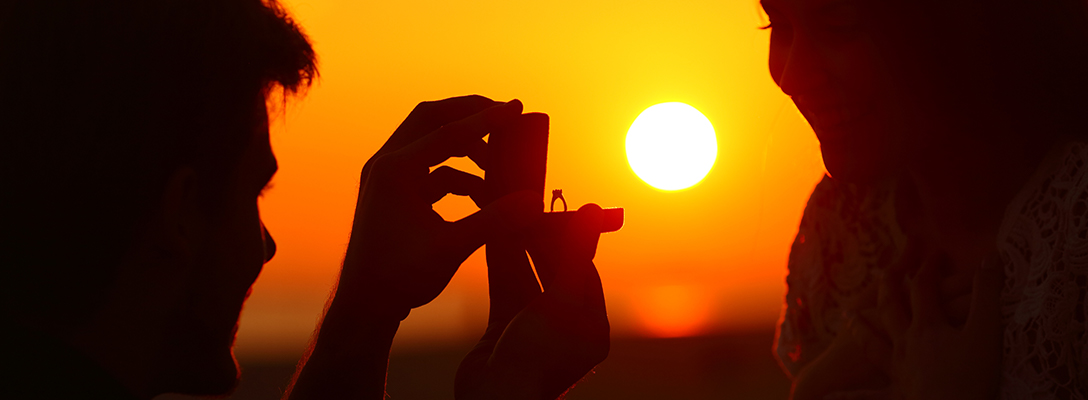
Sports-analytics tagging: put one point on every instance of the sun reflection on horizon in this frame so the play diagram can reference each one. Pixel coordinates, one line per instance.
(674, 311)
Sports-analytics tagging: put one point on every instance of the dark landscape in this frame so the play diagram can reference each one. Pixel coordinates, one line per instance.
(737, 366)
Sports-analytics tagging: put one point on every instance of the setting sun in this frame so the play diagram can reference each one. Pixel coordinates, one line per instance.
(671, 146)
(701, 261)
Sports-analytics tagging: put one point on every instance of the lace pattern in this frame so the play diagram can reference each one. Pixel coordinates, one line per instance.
(848, 235)
(1044, 241)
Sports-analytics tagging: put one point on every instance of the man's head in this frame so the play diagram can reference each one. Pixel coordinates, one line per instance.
(135, 146)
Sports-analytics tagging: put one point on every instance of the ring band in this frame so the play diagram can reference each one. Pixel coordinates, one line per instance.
(557, 194)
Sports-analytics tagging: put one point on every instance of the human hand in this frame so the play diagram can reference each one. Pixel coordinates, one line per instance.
(402, 254)
(537, 345)
(932, 358)
(854, 365)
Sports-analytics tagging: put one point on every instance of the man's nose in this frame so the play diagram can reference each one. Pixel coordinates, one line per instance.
(269, 243)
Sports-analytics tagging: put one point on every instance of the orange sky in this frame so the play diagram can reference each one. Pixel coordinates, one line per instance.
(709, 258)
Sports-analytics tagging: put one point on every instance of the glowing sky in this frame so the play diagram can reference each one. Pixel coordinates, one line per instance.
(704, 259)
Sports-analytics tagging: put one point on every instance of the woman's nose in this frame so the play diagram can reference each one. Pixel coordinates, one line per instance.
(802, 70)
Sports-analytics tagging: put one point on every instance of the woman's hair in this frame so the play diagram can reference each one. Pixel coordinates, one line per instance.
(100, 101)
(1040, 54)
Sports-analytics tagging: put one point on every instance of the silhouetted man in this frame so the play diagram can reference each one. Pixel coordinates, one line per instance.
(135, 147)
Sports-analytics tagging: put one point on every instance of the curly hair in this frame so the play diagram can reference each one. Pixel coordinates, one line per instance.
(100, 101)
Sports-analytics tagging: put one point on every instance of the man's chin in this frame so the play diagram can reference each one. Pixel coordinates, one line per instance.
(203, 363)
(215, 378)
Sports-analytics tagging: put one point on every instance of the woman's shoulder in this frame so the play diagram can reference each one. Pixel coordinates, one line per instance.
(1048, 219)
(845, 227)
(1058, 182)
(847, 234)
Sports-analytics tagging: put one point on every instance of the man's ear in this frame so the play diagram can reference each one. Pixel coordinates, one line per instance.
(180, 222)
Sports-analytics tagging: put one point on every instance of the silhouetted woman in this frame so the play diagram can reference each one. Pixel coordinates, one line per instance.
(947, 254)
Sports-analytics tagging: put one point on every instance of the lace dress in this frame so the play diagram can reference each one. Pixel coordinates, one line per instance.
(849, 235)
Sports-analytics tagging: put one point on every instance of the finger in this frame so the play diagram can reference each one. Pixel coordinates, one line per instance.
(912, 257)
(445, 180)
(560, 236)
(925, 303)
(477, 152)
(509, 215)
(892, 297)
(860, 394)
(985, 313)
(956, 285)
(457, 139)
(428, 116)
(871, 316)
(469, 376)
(512, 285)
(544, 243)
(957, 309)
(874, 347)
(585, 229)
(576, 277)
(955, 294)
(891, 301)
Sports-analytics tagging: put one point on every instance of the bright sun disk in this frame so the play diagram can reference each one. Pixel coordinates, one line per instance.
(671, 146)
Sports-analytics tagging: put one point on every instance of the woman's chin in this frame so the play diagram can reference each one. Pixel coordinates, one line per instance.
(849, 162)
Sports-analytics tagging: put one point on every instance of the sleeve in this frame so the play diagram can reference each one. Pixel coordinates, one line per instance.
(797, 341)
(1045, 299)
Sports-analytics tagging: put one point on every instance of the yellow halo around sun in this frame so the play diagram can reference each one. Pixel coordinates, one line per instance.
(671, 146)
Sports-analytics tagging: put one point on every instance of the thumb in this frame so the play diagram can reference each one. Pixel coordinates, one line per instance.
(583, 231)
(506, 216)
(511, 283)
(576, 277)
(924, 297)
(874, 348)
(985, 313)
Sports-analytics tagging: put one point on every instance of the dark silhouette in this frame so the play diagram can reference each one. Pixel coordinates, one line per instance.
(516, 339)
(135, 147)
(536, 345)
(942, 257)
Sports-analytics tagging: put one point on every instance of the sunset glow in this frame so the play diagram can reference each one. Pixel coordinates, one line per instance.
(671, 146)
(593, 67)
(675, 311)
